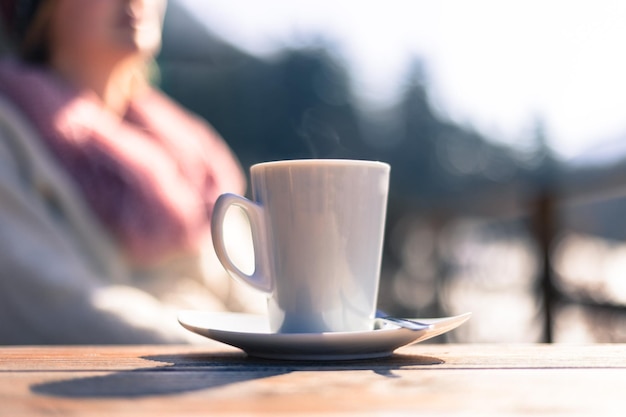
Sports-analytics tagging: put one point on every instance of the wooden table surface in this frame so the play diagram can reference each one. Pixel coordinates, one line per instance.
(212, 380)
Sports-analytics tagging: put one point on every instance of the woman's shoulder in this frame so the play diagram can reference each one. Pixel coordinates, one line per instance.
(18, 74)
(34, 90)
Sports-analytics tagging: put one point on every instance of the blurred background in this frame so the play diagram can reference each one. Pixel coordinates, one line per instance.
(503, 122)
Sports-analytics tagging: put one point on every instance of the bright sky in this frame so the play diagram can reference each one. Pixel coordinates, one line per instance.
(493, 64)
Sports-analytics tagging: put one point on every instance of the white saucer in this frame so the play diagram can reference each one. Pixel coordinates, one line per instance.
(251, 333)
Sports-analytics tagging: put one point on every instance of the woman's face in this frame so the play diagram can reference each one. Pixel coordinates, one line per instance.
(108, 28)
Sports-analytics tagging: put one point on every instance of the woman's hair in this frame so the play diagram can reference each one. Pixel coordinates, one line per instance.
(27, 23)
(34, 45)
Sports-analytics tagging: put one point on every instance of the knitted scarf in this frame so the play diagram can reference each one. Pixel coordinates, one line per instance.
(151, 176)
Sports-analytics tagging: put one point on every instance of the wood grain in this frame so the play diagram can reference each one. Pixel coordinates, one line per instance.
(217, 380)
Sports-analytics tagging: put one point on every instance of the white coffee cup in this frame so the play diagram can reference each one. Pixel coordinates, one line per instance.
(317, 230)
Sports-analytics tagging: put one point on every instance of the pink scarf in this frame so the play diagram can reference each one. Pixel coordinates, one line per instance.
(151, 177)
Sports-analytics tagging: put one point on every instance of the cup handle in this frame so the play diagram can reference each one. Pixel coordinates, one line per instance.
(260, 278)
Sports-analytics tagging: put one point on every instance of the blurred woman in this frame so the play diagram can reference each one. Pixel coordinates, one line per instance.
(106, 185)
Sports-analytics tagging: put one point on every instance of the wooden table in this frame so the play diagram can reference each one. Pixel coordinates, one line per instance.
(218, 380)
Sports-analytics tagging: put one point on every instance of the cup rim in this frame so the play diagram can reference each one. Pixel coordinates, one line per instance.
(322, 162)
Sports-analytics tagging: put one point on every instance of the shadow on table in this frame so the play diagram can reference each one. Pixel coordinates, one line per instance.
(194, 372)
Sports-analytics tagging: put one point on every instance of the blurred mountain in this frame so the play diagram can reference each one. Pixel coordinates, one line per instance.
(298, 104)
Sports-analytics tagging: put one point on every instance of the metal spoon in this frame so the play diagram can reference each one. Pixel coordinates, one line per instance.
(406, 323)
